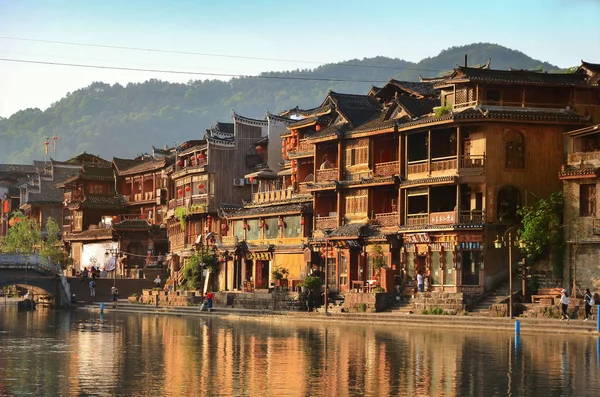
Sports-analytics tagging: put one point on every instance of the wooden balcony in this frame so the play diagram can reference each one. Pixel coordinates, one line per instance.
(73, 196)
(472, 162)
(444, 164)
(304, 149)
(387, 219)
(194, 203)
(577, 157)
(229, 241)
(328, 175)
(389, 168)
(273, 195)
(417, 219)
(472, 216)
(446, 218)
(418, 167)
(326, 222)
(177, 240)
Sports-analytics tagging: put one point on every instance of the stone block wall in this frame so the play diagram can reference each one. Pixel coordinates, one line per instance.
(278, 301)
(450, 302)
(368, 302)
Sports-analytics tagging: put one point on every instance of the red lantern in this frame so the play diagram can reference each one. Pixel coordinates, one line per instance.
(209, 217)
(245, 224)
(294, 132)
(262, 223)
(259, 149)
(280, 222)
(293, 178)
(201, 156)
(223, 227)
(180, 163)
(187, 188)
(251, 179)
(180, 192)
(6, 207)
(201, 186)
(318, 127)
(302, 221)
(293, 163)
(283, 142)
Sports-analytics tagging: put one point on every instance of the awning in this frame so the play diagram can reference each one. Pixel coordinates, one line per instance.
(262, 174)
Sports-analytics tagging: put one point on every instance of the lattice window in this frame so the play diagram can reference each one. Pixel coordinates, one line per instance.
(357, 203)
(587, 200)
(514, 150)
(359, 155)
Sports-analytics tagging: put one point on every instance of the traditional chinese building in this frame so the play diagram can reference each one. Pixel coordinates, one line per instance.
(271, 231)
(91, 203)
(141, 229)
(11, 175)
(495, 140)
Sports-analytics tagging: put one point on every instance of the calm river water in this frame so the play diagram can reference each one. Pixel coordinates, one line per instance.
(78, 353)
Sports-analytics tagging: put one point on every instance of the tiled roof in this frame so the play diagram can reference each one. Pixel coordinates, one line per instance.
(419, 89)
(90, 234)
(49, 192)
(439, 179)
(145, 166)
(585, 171)
(224, 127)
(354, 230)
(17, 168)
(501, 113)
(357, 109)
(295, 208)
(124, 164)
(97, 172)
(594, 67)
(417, 107)
(102, 202)
(132, 224)
(330, 131)
(527, 77)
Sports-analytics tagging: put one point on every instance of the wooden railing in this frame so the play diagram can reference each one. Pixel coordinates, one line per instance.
(444, 164)
(417, 219)
(273, 195)
(389, 168)
(517, 104)
(73, 196)
(473, 161)
(330, 174)
(177, 240)
(303, 148)
(188, 201)
(387, 219)
(418, 167)
(473, 216)
(326, 222)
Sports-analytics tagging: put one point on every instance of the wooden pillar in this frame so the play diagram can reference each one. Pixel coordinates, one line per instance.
(429, 152)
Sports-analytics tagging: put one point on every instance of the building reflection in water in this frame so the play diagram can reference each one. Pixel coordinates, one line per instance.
(79, 354)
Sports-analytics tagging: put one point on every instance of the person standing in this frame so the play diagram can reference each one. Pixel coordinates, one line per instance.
(210, 296)
(564, 304)
(589, 302)
(92, 288)
(157, 281)
(420, 282)
(115, 296)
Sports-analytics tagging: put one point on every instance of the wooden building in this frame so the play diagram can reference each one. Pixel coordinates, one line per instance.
(91, 205)
(270, 231)
(11, 176)
(495, 140)
(141, 229)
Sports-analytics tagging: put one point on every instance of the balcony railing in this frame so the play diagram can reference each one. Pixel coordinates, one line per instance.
(273, 195)
(475, 161)
(444, 164)
(177, 240)
(73, 196)
(303, 148)
(330, 174)
(446, 218)
(229, 240)
(326, 222)
(417, 219)
(418, 167)
(387, 219)
(473, 216)
(389, 168)
(189, 202)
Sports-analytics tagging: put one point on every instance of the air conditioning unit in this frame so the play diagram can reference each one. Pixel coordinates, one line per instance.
(238, 181)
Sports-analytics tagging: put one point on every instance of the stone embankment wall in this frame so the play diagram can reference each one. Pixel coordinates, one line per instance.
(368, 302)
(449, 302)
(278, 301)
(161, 298)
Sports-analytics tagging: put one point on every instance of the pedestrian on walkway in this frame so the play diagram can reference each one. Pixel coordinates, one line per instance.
(564, 303)
(157, 281)
(115, 296)
(210, 296)
(589, 302)
(92, 288)
(420, 282)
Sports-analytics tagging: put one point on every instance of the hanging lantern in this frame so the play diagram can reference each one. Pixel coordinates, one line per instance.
(283, 142)
(223, 227)
(302, 221)
(201, 186)
(294, 132)
(201, 156)
(293, 163)
(180, 192)
(209, 217)
(280, 222)
(293, 178)
(259, 149)
(262, 223)
(180, 163)
(318, 127)
(187, 188)
(293, 141)
(245, 224)
(251, 179)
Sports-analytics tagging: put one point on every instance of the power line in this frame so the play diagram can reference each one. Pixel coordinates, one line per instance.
(72, 43)
(269, 77)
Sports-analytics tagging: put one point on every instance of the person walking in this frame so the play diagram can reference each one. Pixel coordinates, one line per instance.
(115, 296)
(589, 302)
(564, 304)
(92, 288)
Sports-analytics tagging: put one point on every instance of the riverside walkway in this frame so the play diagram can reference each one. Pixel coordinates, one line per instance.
(469, 322)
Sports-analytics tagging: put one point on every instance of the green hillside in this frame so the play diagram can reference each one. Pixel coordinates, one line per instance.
(124, 121)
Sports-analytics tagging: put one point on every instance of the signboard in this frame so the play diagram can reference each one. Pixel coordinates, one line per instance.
(442, 218)
(416, 238)
(263, 256)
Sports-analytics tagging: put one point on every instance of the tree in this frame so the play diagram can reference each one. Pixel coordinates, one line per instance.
(52, 247)
(23, 236)
(192, 270)
(542, 230)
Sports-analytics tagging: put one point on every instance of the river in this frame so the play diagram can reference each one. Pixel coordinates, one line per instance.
(81, 353)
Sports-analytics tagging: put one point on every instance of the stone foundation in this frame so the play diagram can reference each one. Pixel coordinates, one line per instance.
(278, 301)
(160, 298)
(367, 302)
(449, 302)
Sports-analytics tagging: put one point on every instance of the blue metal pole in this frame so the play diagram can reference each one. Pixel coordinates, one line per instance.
(598, 319)
(101, 307)
(517, 327)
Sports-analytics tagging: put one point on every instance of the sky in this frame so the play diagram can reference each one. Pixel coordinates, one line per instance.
(290, 34)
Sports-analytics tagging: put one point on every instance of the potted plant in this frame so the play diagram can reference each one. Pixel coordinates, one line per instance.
(133, 298)
(280, 275)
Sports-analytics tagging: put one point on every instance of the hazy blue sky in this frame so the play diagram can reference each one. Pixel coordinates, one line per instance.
(561, 32)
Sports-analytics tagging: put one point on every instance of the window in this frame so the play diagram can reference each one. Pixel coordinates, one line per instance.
(238, 229)
(514, 150)
(448, 268)
(587, 200)
(343, 270)
(253, 230)
(508, 202)
(292, 226)
(271, 227)
(95, 188)
(356, 202)
(358, 155)
(435, 268)
(493, 96)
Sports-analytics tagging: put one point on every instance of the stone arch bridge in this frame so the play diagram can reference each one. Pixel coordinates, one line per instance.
(34, 270)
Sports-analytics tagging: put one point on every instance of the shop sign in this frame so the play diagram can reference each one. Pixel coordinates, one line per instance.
(416, 238)
(261, 256)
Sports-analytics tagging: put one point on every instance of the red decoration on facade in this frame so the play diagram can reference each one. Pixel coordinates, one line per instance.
(262, 223)
(180, 192)
(294, 132)
(245, 224)
(293, 178)
(318, 127)
(302, 221)
(201, 156)
(251, 179)
(201, 186)
(259, 149)
(187, 188)
(180, 163)
(6, 207)
(280, 222)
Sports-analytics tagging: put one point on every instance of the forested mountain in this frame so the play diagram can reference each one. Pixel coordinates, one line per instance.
(124, 121)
